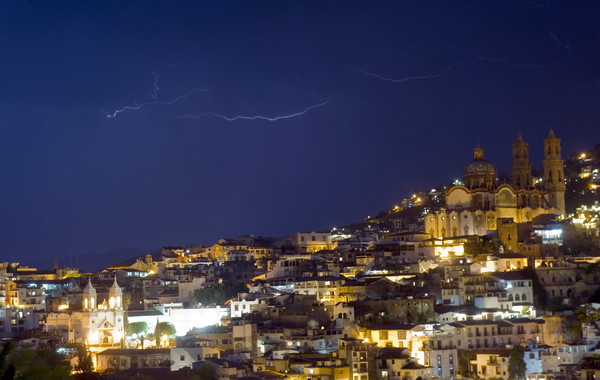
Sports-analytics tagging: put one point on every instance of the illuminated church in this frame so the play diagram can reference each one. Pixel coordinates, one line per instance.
(100, 326)
(475, 207)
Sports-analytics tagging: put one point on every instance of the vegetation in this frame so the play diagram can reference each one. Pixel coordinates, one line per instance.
(85, 365)
(25, 364)
(218, 294)
(204, 372)
(464, 362)
(540, 299)
(137, 328)
(483, 245)
(163, 329)
(516, 363)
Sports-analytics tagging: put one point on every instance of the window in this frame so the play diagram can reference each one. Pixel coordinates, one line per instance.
(182, 357)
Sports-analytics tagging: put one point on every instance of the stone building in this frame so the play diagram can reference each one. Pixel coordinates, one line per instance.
(476, 207)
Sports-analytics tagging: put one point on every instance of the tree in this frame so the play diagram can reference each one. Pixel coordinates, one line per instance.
(483, 245)
(85, 365)
(540, 299)
(516, 363)
(218, 294)
(25, 364)
(4, 360)
(205, 371)
(138, 328)
(163, 329)
(464, 362)
(126, 300)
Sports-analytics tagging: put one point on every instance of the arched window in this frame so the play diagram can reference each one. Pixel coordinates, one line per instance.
(517, 297)
(524, 297)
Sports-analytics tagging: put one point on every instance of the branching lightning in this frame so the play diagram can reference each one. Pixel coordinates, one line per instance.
(156, 102)
(154, 93)
(566, 45)
(255, 117)
(154, 96)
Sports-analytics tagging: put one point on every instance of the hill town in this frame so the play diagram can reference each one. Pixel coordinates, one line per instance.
(487, 277)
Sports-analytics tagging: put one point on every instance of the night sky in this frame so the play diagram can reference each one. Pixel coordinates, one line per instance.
(269, 117)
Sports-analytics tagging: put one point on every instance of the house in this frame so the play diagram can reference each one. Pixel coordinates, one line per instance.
(119, 359)
(397, 364)
(491, 363)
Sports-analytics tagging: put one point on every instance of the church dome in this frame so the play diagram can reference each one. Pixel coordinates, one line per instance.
(480, 173)
(480, 167)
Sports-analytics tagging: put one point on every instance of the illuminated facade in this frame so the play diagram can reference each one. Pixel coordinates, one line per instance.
(100, 326)
(475, 207)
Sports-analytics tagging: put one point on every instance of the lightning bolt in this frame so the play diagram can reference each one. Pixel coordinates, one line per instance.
(474, 59)
(255, 117)
(416, 77)
(304, 93)
(534, 3)
(567, 45)
(583, 86)
(154, 93)
(156, 102)
(527, 64)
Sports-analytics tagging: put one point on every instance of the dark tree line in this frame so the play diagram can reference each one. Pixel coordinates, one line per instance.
(218, 294)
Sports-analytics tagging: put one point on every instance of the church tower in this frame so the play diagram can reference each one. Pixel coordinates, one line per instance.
(554, 177)
(89, 296)
(521, 168)
(115, 296)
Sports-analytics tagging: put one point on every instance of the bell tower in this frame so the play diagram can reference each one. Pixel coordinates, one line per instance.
(115, 296)
(521, 168)
(89, 296)
(554, 176)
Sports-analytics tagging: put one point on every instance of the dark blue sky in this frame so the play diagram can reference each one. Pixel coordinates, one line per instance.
(400, 93)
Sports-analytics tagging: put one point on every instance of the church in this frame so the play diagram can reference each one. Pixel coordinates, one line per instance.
(99, 325)
(476, 207)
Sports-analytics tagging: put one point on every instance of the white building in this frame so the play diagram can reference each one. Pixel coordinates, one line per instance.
(100, 326)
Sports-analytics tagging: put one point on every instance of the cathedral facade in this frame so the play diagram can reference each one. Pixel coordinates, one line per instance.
(475, 207)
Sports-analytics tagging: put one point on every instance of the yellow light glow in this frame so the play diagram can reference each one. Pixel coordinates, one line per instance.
(92, 338)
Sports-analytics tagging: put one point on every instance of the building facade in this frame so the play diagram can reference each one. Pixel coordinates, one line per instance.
(476, 207)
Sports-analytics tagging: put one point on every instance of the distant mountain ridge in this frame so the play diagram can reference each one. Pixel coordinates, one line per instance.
(91, 262)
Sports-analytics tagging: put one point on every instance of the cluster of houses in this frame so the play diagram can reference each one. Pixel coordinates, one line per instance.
(485, 288)
(400, 306)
